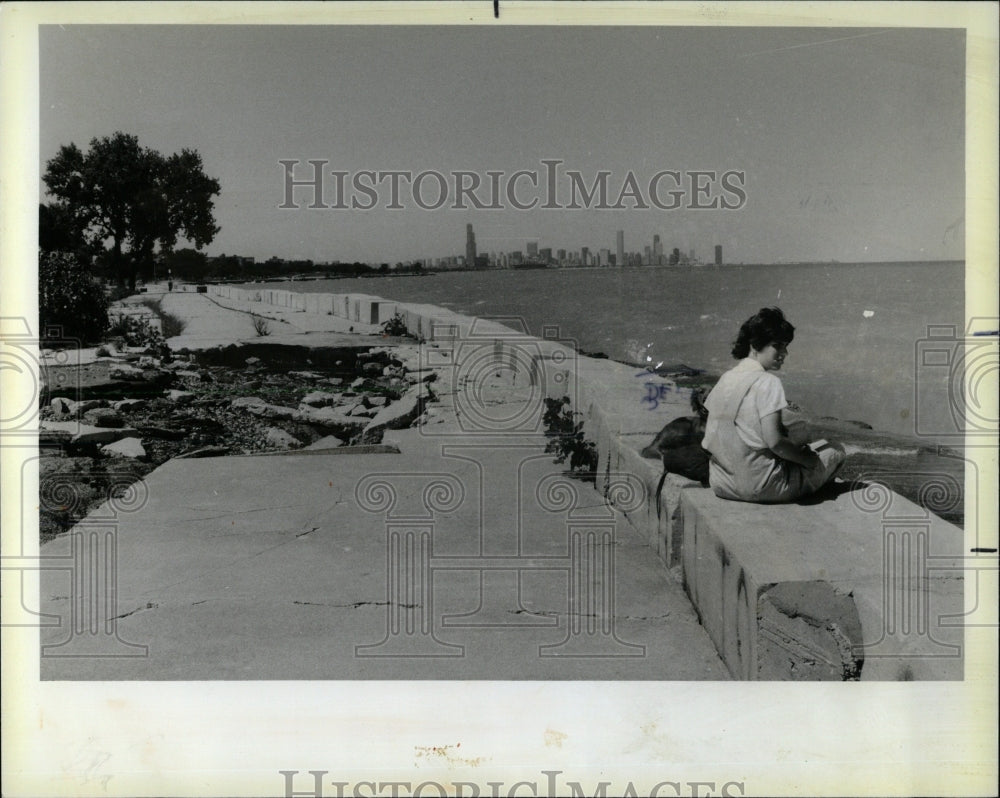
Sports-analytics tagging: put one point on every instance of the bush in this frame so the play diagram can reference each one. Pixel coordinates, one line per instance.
(134, 331)
(261, 326)
(170, 325)
(71, 303)
(395, 326)
(566, 437)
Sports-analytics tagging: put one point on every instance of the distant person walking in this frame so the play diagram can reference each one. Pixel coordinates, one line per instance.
(752, 458)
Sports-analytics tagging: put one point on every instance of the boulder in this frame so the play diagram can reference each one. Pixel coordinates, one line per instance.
(334, 381)
(78, 408)
(327, 442)
(305, 375)
(126, 447)
(401, 413)
(252, 361)
(123, 371)
(372, 369)
(247, 401)
(180, 397)
(421, 375)
(82, 433)
(375, 401)
(280, 439)
(358, 383)
(361, 410)
(129, 405)
(330, 417)
(62, 406)
(320, 399)
(104, 417)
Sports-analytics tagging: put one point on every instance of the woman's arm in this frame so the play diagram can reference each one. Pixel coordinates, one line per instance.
(782, 446)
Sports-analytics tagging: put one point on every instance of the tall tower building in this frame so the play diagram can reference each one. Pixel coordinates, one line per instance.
(620, 248)
(470, 247)
(657, 251)
(718, 254)
(532, 250)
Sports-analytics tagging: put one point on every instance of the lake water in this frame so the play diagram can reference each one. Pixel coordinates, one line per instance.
(859, 327)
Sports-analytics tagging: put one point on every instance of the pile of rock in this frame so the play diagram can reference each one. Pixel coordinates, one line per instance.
(93, 446)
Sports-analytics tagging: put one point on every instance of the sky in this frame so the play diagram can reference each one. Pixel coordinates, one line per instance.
(850, 142)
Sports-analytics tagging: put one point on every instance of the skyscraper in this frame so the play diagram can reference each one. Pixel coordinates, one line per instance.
(470, 247)
(620, 248)
(532, 250)
(718, 254)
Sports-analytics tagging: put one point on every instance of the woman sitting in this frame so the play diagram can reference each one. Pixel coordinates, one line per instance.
(752, 458)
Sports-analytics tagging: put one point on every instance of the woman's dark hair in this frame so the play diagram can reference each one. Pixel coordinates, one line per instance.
(767, 326)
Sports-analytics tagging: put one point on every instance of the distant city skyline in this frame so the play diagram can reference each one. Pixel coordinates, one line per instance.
(851, 141)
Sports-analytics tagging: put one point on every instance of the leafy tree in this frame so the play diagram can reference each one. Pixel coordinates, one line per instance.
(128, 200)
(186, 264)
(71, 304)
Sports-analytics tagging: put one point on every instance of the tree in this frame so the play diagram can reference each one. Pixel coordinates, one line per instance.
(71, 304)
(128, 200)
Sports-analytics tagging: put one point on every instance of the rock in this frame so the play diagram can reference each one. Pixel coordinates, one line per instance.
(180, 397)
(83, 433)
(328, 442)
(393, 371)
(129, 405)
(376, 401)
(126, 447)
(361, 410)
(333, 381)
(252, 361)
(421, 375)
(372, 369)
(399, 414)
(320, 399)
(330, 417)
(247, 401)
(189, 373)
(276, 412)
(104, 417)
(305, 375)
(78, 408)
(49, 438)
(62, 406)
(147, 362)
(358, 383)
(123, 371)
(280, 439)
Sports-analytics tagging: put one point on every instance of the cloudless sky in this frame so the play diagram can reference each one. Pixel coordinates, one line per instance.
(851, 140)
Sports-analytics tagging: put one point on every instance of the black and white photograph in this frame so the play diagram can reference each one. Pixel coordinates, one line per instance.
(493, 399)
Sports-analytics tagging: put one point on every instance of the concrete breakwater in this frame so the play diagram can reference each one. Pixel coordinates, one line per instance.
(860, 583)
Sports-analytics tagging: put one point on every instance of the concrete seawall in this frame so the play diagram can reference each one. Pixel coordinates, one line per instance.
(857, 584)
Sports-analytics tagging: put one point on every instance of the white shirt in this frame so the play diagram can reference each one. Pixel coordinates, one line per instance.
(766, 396)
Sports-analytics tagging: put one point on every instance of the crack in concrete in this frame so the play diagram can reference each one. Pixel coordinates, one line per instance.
(356, 604)
(553, 614)
(149, 606)
(307, 532)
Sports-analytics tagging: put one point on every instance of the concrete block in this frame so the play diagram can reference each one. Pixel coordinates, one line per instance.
(825, 590)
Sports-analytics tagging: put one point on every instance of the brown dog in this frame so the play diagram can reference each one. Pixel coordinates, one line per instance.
(678, 444)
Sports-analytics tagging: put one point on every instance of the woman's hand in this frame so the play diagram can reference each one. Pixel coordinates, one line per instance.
(779, 443)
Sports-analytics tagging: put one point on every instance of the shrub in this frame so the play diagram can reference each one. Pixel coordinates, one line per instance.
(395, 326)
(566, 434)
(71, 303)
(170, 325)
(261, 326)
(134, 331)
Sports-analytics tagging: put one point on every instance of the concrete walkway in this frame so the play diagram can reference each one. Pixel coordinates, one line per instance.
(463, 557)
